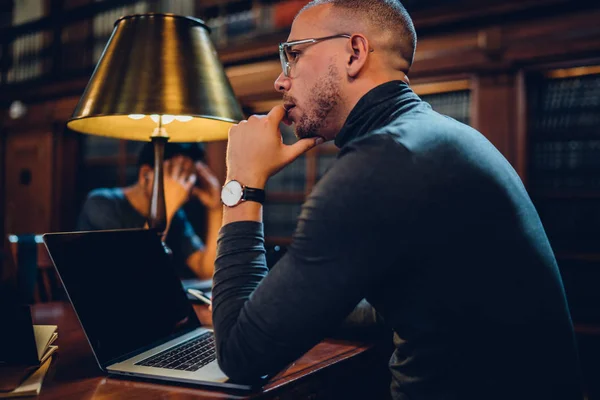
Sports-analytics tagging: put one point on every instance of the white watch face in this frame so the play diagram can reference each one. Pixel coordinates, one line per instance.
(231, 194)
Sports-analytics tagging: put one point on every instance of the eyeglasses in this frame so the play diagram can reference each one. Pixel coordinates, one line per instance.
(288, 56)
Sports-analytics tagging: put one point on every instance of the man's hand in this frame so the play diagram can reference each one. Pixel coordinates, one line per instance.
(256, 151)
(208, 190)
(179, 177)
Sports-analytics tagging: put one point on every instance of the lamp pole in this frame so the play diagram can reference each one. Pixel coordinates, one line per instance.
(158, 208)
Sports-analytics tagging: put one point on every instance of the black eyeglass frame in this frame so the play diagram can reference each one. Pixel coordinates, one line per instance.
(285, 64)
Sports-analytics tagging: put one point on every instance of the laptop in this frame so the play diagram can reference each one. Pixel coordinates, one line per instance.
(133, 309)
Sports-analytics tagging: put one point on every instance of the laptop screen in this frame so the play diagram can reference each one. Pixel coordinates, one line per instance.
(122, 288)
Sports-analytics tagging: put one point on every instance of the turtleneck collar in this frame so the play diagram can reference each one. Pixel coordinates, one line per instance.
(375, 109)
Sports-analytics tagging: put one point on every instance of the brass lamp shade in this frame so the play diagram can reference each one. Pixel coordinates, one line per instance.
(158, 64)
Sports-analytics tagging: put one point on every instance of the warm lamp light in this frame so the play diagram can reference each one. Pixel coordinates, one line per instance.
(158, 70)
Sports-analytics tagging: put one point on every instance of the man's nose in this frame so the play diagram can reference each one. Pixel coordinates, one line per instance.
(282, 83)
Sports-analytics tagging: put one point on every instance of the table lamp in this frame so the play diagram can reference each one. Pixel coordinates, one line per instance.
(158, 79)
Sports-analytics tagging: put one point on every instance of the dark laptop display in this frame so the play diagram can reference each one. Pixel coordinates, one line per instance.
(144, 304)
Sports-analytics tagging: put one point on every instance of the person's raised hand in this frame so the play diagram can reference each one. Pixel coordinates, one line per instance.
(256, 151)
(179, 178)
(208, 188)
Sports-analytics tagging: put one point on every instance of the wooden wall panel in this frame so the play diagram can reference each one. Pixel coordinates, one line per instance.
(494, 110)
(65, 165)
(28, 177)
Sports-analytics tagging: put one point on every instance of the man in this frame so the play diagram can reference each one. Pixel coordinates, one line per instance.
(420, 215)
(185, 177)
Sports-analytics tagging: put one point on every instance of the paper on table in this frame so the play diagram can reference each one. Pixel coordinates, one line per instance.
(30, 386)
(45, 335)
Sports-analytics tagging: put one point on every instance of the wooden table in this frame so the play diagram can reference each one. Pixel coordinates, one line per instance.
(332, 369)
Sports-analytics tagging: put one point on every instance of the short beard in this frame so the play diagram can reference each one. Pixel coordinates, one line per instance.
(325, 95)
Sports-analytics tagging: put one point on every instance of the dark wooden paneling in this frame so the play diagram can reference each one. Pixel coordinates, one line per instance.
(494, 111)
(39, 143)
(28, 177)
(65, 167)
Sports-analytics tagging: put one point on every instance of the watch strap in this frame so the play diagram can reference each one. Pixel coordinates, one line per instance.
(253, 194)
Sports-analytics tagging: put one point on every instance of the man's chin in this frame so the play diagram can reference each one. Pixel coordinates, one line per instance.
(303, 134)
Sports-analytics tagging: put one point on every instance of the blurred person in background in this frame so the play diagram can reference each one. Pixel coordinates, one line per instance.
(186, 177)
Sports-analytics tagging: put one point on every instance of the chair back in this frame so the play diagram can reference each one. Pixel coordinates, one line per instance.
(36, 276)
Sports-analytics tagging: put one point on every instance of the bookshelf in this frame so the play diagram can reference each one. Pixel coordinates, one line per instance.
(563, 127)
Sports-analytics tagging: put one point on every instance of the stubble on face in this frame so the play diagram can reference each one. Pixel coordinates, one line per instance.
(324, 98)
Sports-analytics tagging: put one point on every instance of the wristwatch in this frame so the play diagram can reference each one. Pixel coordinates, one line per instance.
(233, 193)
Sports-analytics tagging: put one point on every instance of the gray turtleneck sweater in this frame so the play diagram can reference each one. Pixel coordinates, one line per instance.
(424, 218)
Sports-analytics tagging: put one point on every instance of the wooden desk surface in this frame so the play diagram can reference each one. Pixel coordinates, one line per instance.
(74, 373)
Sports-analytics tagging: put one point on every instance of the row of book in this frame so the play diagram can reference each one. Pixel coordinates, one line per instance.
(27, 58)
(564, 129)
(258, 20)
(565, 183)
(453, 104)
(563, 108)
(103, 24)
(565, 124)
(567, 94)
(566, 155)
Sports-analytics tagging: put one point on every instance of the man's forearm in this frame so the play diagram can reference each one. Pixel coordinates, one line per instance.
(246, 211)
(239, 268)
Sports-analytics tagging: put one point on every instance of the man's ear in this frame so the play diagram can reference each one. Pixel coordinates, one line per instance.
(359, 51)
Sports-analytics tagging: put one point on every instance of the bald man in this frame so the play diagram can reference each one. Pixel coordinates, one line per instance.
(420, 215)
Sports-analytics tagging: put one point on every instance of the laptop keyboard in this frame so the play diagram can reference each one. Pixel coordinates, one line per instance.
(187, 356)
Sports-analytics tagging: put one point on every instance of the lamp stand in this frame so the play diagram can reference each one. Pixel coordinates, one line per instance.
(158, 209)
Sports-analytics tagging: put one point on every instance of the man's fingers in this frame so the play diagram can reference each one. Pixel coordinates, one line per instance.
(176, 170)
(300, 147)
(205, 175)
(276, 115)
(202, 169)
(167, 168)
(188, 166)
(191, 180)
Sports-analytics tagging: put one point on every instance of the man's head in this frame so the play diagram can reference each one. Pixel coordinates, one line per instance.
(189, 152)
(359, 44)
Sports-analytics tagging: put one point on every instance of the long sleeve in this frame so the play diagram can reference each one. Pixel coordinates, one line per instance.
(264, 321)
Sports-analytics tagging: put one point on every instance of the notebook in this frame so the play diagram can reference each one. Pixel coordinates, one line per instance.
(133, 308)
(45, 335)
(32, 385)
(25, 349)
